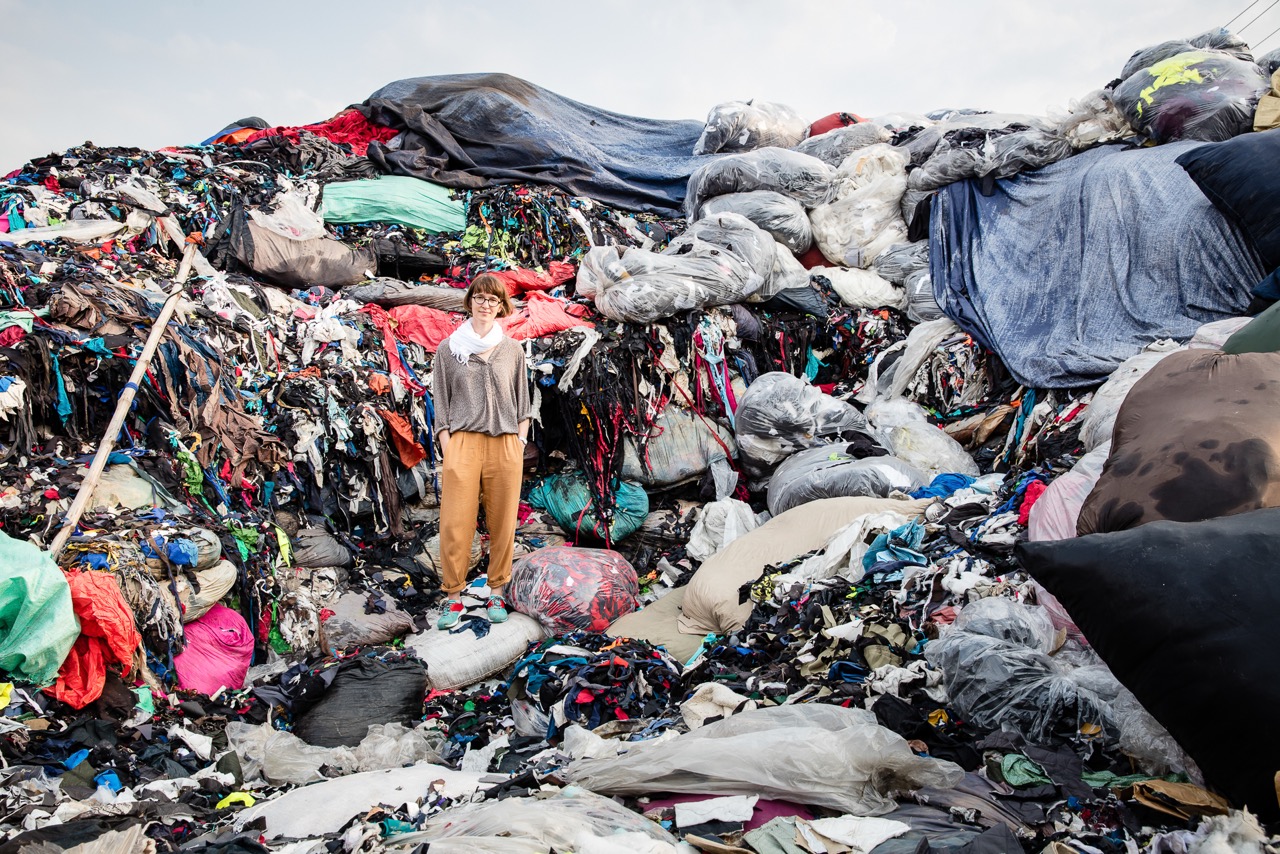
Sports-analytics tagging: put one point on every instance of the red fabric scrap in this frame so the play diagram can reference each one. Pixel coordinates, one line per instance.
(348, 127)
(410, 452)
(1035, 489)
(520, 280)
(543, 315)
(813, 258)
(107, 639)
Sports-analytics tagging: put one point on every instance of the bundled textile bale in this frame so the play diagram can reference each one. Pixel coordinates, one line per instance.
(834, 146)
(568, 498)
(313, 547)
(748, 125)
(354, 623)
(897, 263)
(394, 198)
(781, 414)
(366, 691)
(1100, 418)
(567, 589)
(721, 259)
(720, 523)
(781, 216)
(1190, 599)
(839, 469)
(805, 179)
(903, 427)
(459, 659)
(1197, 437)
(681, 447)
(218, 653)
(862, 288)
(1202, 95)
(864, 217)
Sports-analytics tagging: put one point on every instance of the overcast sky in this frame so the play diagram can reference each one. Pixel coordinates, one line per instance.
(151, 74)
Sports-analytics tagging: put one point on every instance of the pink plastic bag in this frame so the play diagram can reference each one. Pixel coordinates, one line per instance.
(218, 654)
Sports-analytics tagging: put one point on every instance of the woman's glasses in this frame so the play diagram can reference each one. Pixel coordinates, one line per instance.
(492, 302)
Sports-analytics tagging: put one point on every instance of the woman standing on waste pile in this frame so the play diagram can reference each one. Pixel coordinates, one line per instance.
(480, 389)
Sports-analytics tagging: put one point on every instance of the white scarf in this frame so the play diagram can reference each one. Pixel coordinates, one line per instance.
(465, 343)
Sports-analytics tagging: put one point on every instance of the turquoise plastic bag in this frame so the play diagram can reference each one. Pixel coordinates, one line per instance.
(568, 499)
(37, 623)
(394, 198)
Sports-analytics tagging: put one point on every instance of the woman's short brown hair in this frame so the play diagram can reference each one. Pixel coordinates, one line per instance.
(487, 283)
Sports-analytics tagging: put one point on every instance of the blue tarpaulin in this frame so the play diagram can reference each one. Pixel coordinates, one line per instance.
(1069, 270)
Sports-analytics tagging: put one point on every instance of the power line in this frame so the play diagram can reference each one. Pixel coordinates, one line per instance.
(1263, 40)
(1241, 12)
(1259, 15)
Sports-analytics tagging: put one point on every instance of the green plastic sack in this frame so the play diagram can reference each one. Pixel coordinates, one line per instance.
(567, 497)
(1260, 335)
(394, 198)
(37, 623)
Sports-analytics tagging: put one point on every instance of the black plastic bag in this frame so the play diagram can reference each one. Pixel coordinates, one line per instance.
(365, 692)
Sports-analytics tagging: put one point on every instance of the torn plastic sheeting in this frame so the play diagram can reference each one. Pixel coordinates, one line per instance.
(38, 624)
(323, 808)
(573, 819)
(813, 754)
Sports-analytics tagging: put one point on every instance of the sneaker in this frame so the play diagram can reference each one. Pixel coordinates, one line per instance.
(451, 615)
(497, 608)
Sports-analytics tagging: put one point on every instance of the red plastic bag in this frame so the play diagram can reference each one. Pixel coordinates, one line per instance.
(568, 589)
(108, 638)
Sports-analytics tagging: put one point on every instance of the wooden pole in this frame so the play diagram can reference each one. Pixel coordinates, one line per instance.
(122, 406)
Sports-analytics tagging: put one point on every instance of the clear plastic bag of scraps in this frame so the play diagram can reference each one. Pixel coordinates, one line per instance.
(748, 125)
(805, 179)
(903, 427)
(781, 216)
(1218, 39)
(864, 217)
(788, 273)
(1091, 120)
(901, 260)
(780, 414)
(719, 260)
(821, 755)
(921, 304)
(1204, 95)
(830, 471)
(1006, 679)
(834, 146)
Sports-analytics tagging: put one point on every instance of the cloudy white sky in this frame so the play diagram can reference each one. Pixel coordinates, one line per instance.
(151, 74)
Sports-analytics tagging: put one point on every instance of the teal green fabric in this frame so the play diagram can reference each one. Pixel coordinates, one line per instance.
(1019, 771)
(37, 623)
(1260, 335)
(394, 198)
(1110, 780)
(567, 497)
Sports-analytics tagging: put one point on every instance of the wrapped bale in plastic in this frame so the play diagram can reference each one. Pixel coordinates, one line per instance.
(865, 216)
(900, 260)
(569, 589)
(834, 146)
(831, 471)
(922, 306)
(995, 153)
(681, 447)
(365, 691)
(998, 674)
(781, 216)
(720, 260)
(568, 498)
(1217, 39)
(1269, 62)
(903, 428)
(781, 414)
(859, 288)
(1198, 95)
(805, 179)
(748, 125)
(818, 755)
(788, 274)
